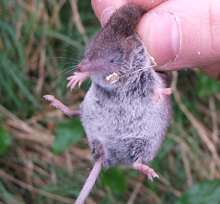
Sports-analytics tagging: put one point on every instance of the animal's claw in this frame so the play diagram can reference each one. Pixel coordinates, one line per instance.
(145, 169)
(76, 78)
(159, 93)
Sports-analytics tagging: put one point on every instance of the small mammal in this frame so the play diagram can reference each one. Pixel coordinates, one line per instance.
(127, 109)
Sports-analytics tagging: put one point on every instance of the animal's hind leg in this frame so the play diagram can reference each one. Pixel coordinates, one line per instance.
(144, 169)
(56, 103)
(159, 93)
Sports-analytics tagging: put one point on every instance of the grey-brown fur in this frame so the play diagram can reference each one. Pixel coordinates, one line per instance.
(125, 122)
(122, 116)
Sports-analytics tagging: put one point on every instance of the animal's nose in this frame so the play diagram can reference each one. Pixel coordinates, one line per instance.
(81, 69)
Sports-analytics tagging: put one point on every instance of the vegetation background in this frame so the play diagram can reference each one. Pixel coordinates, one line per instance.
(44, 155)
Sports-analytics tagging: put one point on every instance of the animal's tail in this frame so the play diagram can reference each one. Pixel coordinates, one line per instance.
(90, 182)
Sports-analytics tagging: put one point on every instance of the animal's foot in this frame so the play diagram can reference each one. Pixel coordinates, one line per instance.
(145, 169)
(159, 93)
(53, 100)
(77, 78)
(57, 104)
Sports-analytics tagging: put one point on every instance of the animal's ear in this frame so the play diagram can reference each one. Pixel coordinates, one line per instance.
(133, 45)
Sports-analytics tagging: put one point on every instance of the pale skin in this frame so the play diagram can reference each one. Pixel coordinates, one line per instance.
(178, 34)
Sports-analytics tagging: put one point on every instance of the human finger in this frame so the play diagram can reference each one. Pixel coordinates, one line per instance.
(105, 8)
(182, 34)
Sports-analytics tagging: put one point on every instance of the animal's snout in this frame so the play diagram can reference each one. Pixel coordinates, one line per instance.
(81, 69)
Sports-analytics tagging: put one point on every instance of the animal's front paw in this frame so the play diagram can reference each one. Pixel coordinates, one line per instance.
(159, 93)
(76, 78)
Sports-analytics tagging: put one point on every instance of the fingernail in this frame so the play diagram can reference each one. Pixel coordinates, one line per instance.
(163, 42)
(106, 15)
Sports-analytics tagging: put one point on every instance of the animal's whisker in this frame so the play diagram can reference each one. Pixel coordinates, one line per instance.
(71, 35)
(67, 70)
(75, 52)
(73, 49)
(66, 66)
(66, 58)
(73, 64)
(89, 82)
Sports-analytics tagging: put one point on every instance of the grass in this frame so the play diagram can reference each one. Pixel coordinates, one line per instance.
(41, 42)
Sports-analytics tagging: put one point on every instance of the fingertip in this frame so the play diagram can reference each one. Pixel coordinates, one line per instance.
(212, 71)
(179, 35)
(106, 15)
(160, 33)
(99, 7)
(147, 4)
(104, 9)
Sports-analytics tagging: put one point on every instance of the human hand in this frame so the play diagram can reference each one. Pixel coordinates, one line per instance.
(178, 34)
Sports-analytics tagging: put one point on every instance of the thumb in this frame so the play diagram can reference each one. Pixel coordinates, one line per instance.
(182, 34)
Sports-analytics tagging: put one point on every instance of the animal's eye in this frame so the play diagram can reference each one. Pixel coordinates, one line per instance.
(112, 60)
